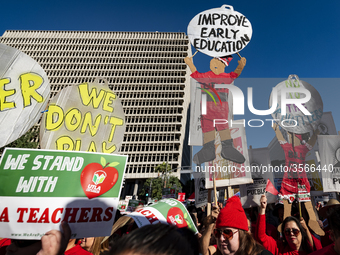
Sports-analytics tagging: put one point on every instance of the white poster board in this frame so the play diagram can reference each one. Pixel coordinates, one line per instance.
(228, 173)
(259, 164)
(41, 188)
(201, 193)
(295, 120)
(220, 31)
(86, 117)
(329, 149)
(24, 90)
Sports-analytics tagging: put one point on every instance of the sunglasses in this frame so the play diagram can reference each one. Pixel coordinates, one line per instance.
(295, 231)
(23, 243)
(227, 233)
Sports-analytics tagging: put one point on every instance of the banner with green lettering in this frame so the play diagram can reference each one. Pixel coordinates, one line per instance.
(41, 188)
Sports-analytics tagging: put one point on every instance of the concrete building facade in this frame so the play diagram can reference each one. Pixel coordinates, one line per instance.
(147, 72)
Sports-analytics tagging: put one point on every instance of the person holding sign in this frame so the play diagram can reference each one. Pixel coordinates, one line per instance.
(295, 183)
(214, 111)
(231, 232)
(296, 239)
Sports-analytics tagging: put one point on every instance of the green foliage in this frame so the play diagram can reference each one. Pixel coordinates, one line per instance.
(157, 186)
(25, 141)
(159, 182)
(163, 168)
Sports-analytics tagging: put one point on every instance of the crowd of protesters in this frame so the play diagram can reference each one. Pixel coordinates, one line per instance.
(226, 230)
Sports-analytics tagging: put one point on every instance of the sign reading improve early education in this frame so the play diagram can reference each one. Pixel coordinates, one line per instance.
(219, 32)
(24, 93)
(87, 117)
(41, 188)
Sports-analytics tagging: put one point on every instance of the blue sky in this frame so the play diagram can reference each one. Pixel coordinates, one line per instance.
(289, 37)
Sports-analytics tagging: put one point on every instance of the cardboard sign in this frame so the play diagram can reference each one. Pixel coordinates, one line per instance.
(168, 193)
(181, 197)
(86, 117)
(295, 120)
(168, 211)
(24, 93)
(219, 32)
(201, 193)
(259, 166)
(329, 149)
(133, 204)
(228, 173)
(41, 188)
(122, 206)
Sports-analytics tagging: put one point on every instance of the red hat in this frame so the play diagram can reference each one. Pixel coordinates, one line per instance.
(232, 215)
(226, 59)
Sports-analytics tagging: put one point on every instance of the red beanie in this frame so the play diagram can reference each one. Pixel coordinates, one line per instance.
(232, 215)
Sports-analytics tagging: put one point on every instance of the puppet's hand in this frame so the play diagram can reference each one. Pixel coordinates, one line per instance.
(275, 126)
(188, 60)
(317, 132)
(242, 62)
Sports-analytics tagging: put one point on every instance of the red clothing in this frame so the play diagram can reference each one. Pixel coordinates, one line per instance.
(329, 250)
(295, 181)
(219, 110)
(77, 250)
(275, 247)
(3, 245)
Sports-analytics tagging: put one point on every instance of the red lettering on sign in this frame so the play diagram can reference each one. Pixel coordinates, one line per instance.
(21, 215)
(4, 215)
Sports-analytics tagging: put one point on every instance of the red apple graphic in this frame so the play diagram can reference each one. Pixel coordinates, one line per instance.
(175, 217)
(97, 179)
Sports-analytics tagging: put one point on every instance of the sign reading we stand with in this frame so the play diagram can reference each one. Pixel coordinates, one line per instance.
(41, 188)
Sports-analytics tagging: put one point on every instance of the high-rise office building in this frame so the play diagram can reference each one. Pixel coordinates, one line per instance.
(147, 72)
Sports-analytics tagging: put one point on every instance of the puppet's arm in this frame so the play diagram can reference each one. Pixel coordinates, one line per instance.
(313, 138)
(241, 65)
(190, 63)
(278, 133)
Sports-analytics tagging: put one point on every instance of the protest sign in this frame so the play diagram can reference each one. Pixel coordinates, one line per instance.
(168, 193)
(228, 173)
(260, 171)
(122, 206)
(86, 117)
(295, 120)
(133, 204)
(181, 197)
(41, 188)
(329, 149)
(220, 31)
(24, 93)
(168, 211)
(201, 193)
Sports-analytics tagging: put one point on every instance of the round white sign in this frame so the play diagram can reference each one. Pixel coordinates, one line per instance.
(219, 32)
(24, 93)
(86, 117)
(303, 107)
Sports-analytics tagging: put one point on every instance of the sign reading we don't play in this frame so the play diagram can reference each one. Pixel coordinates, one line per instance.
(41, 188)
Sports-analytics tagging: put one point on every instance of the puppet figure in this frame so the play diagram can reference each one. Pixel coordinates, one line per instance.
(216, 111)
(295, 184)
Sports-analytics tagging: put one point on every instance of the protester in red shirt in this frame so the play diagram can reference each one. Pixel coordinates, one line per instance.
(297, 240)
(334, 224)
